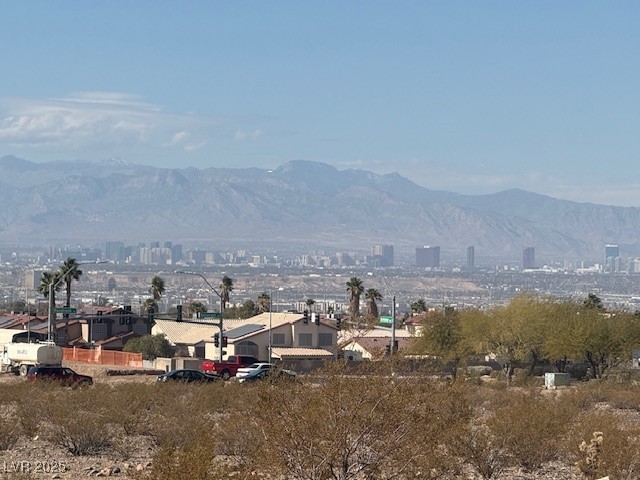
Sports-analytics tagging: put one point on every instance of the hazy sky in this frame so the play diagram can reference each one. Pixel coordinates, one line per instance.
(473, 97)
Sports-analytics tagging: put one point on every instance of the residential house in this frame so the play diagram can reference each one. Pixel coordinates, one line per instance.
(295, 341)
(373, 348)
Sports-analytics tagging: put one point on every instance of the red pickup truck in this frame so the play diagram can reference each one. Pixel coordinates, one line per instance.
(228, 368)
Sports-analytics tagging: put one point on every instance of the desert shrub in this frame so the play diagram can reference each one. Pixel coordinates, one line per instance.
(133, 406)
(32, 403)
(9, 433)
(186, 409)
(195, 459)
(622, 396)
(350, 427)
(476, 447)
(529, 428)
(80, 420)
(617, 452)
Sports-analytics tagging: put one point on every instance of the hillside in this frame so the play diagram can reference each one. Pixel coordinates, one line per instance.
(300, 202)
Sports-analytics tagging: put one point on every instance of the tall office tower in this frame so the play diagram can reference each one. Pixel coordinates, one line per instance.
(383, 255)
(427, 257)
(611, 258)
(176, 253)
(471, 257)
(114, 251)
(528, 258)
(32, 279)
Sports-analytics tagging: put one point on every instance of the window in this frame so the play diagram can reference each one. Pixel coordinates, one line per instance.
(99, 331)
(140, 328)
(305, 339)
(247, 348)
(278, 338)
(325, 339)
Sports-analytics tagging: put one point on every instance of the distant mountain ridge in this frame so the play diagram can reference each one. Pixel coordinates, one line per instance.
(299, 202)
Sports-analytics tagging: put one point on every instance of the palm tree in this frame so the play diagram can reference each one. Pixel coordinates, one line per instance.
(226, 287)
(264, 303)
(157, 288)
(70, 271)
(310, 302)
(372, 307)
(355, 289)
(47, 279)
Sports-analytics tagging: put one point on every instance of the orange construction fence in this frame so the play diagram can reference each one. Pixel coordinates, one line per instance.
(102, 357)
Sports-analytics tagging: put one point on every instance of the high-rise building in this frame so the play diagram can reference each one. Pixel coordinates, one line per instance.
(428, 256)
(612, 261)
(528, 258)
(114, 251)
(611, 251)
(383, 255)
(32, 279)
(471, 257)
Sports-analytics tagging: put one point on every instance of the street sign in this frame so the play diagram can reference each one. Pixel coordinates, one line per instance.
(209, 315)
(64, 310)
(386, 320)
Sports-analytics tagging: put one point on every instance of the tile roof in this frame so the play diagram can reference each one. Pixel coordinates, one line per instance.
(186, 333)
(373, 344)
(288, 352)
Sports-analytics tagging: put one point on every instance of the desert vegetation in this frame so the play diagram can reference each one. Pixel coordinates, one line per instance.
(389, 420)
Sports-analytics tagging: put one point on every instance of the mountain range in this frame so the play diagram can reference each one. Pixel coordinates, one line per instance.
(301, 202)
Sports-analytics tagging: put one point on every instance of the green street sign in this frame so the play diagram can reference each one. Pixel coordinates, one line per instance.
(209, 315)
(64, 310)
(386, 320)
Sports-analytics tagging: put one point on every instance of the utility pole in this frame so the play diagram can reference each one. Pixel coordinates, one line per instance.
(219, 324)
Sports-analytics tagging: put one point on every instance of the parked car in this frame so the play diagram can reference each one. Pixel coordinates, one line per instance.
(254, 368)
(187, 375)
(64, 376)
(229, 367)
(267, 372)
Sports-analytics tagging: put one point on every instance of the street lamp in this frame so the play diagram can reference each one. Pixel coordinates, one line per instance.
(221, 301)
(52, 287)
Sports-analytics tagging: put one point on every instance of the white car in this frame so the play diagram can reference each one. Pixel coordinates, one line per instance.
(253, 369)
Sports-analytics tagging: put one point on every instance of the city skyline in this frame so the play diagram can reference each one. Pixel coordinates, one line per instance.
(472, 98)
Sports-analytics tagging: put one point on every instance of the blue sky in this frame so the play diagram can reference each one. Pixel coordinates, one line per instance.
(473, 97)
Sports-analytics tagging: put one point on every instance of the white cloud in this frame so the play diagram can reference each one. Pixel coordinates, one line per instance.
(244, 135)
(179, 137)
(84, 123)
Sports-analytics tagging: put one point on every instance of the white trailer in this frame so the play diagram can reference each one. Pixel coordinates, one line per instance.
(19, 357)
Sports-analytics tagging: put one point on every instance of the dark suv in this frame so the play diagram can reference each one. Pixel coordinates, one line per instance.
(62, 375)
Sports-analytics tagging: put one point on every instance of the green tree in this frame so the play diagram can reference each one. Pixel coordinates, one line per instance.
(70, 271)
(419, 306)
(264, 302)
(372, 295)
(355, 289)
(441, 335)
(150, 306)
(593, 302)
(150, 346)
(196, 307)
(226, 287)
(246, 310)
